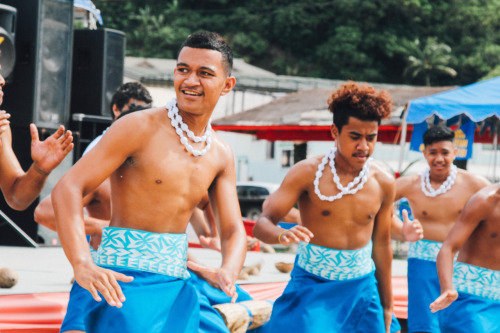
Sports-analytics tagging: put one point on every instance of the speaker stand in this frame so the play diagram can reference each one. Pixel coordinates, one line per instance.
(27, 239)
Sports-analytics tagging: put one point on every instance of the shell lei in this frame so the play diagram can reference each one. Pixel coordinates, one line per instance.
(445, 186)
(181, 127)
(351, 188)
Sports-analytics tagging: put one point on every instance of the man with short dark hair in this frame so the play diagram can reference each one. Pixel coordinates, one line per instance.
(436, 197)
(161, 163)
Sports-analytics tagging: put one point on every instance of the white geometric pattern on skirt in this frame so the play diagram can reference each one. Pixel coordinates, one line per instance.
(144, 251)
(334, 264)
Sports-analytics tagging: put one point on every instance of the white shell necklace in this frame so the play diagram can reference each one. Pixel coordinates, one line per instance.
(360, 180)
(445, 186)
(180, 127)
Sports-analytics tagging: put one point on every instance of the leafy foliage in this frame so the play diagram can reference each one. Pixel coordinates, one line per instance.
(339, 39)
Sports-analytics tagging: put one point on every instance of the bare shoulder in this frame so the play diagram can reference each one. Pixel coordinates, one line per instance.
(408, 183)
(475, 181)
(385, 179)
(222, 148)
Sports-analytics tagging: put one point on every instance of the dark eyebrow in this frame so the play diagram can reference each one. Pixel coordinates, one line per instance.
(359, 134)
(182, 64)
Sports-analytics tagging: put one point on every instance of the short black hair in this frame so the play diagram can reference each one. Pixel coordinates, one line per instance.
(211, 41)
(129, 90)
(438, 134)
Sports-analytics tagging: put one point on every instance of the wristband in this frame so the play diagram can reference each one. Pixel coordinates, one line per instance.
(279, 237)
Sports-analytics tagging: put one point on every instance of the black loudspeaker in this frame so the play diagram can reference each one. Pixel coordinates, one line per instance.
(38, 91)
(98, 62)
(7, 39)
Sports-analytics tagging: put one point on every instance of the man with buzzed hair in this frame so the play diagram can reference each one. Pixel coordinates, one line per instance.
(476, 273)
(345, 204)
(436, 198)
(161, 163)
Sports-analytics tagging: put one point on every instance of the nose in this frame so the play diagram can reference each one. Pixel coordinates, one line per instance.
(363, 144)
(2, 81)
(192, 79)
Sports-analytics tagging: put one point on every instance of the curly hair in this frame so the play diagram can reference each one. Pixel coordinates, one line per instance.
(359, 101)
(129, 90)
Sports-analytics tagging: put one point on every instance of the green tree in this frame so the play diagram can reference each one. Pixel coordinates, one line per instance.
(431, 58)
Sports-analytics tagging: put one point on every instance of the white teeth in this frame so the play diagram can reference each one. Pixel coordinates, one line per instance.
(191, 93)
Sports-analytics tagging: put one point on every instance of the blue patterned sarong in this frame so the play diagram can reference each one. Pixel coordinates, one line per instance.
(313, 303)
(423, 286)
(477, 308)
(210, 319)
(161, 297)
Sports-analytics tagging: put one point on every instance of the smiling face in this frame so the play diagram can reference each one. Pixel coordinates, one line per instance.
(200, 79)
(440, 156)
(356, 141)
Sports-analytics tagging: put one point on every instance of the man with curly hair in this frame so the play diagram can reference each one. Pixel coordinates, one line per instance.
(345, 203)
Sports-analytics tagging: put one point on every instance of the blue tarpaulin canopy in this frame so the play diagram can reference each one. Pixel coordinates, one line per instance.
(477, 101)
(480, 102)
(89, 6)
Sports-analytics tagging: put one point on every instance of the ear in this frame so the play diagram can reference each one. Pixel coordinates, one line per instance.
(334, 131)
(228, 85)
(116, 111)
(455, 152)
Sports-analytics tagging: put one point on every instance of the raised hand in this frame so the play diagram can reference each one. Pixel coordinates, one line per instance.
(294, 235)
(97, 279)
(412, 230)
(216, 277)
(443, 301)
(48, 154)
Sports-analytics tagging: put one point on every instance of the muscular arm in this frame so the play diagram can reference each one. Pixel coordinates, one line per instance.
(278, 205)
(476, 210)
(224, 202)
(21, 188)
(382, 251)
(119, 142)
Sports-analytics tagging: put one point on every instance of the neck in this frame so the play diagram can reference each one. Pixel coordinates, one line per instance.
(196, 123)
(439, 178)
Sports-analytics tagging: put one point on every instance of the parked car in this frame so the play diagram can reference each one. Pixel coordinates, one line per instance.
(251, 195)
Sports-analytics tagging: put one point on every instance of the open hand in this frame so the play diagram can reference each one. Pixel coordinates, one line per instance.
(97, 279)
(412, 230)
(296, 234)
(48, 154)
(215, 276)
(443, 301)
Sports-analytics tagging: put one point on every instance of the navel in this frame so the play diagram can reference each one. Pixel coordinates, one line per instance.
(494, 235)
(460, 211)
(325, 213)
(158, 181)
(424, 213)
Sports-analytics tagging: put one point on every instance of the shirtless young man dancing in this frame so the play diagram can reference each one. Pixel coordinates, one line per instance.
(345, 204)
(436, 199)
(158, 176)
(476, 275)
